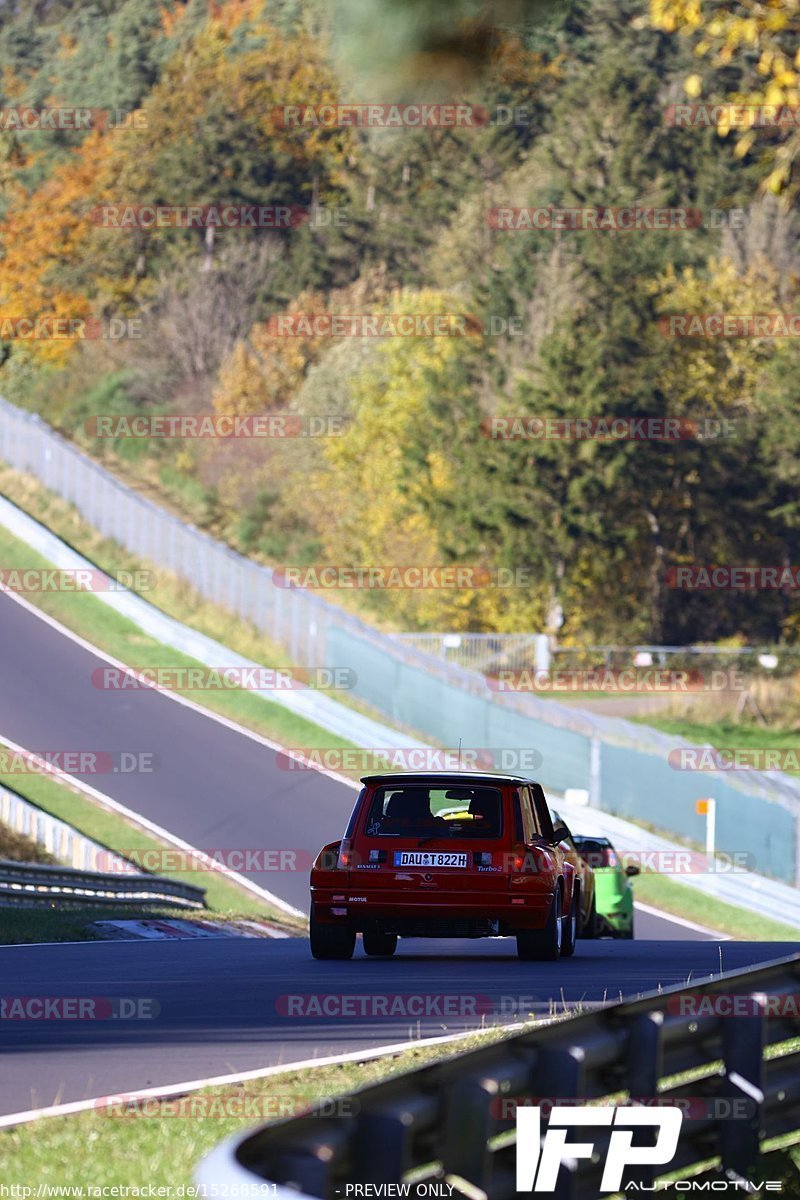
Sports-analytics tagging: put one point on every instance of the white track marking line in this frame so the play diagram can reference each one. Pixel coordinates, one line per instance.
(194, 1085)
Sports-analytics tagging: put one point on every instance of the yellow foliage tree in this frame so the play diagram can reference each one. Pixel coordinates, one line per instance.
(764, 33)
(376, 485)
(41, 236)
(715, 375)
(55, 260)
(268, 370)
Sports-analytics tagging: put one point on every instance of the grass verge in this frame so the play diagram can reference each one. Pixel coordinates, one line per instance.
(724, 733)
(24, 926)
(683, 901)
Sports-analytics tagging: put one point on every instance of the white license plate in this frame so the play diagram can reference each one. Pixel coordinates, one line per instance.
(428, 858)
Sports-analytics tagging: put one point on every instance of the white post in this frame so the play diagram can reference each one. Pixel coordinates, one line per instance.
(594, 772)
(711, 826)
(707, 807)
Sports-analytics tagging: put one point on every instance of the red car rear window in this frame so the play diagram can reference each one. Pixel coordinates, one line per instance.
(421, 812)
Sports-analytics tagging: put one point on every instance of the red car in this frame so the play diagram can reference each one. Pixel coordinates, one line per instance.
(446, 854)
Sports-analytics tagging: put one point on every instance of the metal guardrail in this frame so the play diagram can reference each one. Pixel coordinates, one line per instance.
(452, 1122)
(27, 884)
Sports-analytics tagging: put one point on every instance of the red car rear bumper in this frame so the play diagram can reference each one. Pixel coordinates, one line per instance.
(359, 909)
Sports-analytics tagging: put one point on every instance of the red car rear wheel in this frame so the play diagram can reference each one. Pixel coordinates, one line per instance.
(378, 944)
(543, 945)
(331, 941)
(569, 926)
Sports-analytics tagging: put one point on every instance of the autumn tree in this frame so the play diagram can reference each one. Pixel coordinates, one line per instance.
(747, 54)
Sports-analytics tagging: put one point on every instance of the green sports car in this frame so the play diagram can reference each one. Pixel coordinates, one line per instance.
(613, 890)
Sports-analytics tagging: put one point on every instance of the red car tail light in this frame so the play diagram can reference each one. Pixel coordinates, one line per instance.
(345, 855)
(529, 860)
(518, 859)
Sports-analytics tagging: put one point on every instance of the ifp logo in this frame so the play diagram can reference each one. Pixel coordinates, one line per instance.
(539, 1158)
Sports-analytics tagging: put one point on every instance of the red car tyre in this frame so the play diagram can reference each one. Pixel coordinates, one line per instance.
(378, 944)
(570, 925)
(543, 945)
(331, 941)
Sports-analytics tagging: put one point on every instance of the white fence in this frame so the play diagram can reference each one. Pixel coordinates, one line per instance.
(71, 848)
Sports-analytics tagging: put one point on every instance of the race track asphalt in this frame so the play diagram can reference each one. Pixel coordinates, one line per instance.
(214, 1007)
